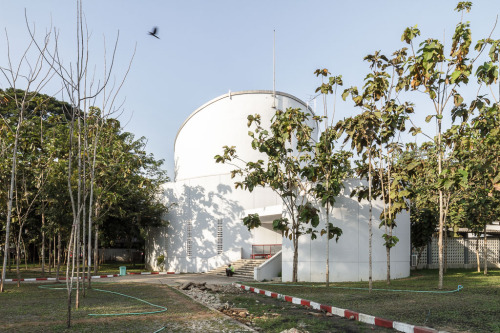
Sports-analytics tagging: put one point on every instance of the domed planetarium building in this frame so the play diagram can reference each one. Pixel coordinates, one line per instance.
(206, 231)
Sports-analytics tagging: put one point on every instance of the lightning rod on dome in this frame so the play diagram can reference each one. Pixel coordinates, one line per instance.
(274, 69)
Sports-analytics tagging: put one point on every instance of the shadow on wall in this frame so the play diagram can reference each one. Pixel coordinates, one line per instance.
(202, 207)
(349, 256)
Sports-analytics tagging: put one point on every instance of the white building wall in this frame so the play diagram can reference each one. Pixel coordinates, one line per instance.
(202, 202)
(349, 256)
(204, 193)
(221, 122)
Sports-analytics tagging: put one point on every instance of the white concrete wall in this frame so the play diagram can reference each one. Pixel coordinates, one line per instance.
(270, 269)
(204, 191)
(349, 257)
(220, 122)
(203, 201)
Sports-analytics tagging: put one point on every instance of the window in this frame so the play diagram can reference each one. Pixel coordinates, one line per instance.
(189, 240)
(219, 236)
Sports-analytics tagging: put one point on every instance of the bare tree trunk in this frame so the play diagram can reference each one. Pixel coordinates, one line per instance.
(70, 277)
(477, 255)
(54, 253)
(327, 277)
(419, 254)
(441, 210)
(96, 250)
(18, 259)
(295, 255)
(50, 255)
(58, 254)
(445, 252)
(370, 233)
(43, 244)
(9, 203)
(485, 252)
(25, 255)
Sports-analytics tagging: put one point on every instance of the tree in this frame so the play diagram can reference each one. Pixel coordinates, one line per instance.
(475, 143)
(372, 134)
(439, 78)
(33, 81)
(286, 144)
(327, 168)
(81, 91)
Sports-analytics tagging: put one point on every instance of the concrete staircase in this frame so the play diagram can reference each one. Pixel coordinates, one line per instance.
(243, 268)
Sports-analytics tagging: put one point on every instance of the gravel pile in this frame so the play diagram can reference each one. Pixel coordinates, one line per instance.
(209, 296)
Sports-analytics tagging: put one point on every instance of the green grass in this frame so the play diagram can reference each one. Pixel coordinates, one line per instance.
(32, 309)
(274, 316)
(35, 271)
(473, 309)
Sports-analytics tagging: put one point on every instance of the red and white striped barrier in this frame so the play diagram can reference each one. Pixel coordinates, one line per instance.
(401, 327)
(61, 278)
(93, 277)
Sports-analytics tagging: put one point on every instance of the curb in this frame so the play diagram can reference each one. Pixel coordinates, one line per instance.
(93, 277)
(364, 318)
(152, 273)
(61, 278)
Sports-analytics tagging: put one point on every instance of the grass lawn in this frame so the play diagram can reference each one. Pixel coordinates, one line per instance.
(476, 308)
(32, 309)
(35, 271)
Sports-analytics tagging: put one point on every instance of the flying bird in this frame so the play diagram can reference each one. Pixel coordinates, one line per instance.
(154, 32)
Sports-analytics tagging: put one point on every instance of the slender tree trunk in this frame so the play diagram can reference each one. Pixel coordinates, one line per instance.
(419, 254)
(69, 277)
(370, 233)
(327, 244)
(59, 246)
(96, 250)
(485, 252)
(54, 253)
(50, 255)
(295, 254)
(9, 202)
(18, 259)
(441, 213)
(25, 255)
(477, 255)
(295, 242)
(43, 246)
(445, 250)
(84, 210)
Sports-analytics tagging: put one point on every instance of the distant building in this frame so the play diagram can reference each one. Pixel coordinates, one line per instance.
(206, 230)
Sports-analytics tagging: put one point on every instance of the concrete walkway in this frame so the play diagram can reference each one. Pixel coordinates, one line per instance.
(178, 279)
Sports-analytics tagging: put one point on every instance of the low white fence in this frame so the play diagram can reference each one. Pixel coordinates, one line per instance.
(460, 253)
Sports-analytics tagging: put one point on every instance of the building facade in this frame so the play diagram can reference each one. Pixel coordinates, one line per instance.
(205, 228)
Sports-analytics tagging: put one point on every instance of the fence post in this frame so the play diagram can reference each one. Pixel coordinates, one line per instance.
(466, 251)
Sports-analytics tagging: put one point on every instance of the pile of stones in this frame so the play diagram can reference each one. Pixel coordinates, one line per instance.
(209, 296)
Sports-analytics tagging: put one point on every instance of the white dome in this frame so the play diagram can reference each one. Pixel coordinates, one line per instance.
(221, 122)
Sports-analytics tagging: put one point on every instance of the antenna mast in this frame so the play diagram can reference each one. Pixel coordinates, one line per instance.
(274, 69)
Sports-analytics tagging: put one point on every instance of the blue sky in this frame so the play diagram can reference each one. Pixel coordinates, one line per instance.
(207, 48)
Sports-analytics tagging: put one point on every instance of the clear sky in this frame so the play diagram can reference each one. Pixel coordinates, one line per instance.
(207, 48)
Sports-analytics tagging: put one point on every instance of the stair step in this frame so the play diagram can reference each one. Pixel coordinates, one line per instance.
(243, 268)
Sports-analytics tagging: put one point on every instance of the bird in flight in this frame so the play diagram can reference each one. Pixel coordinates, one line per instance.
(154, 32)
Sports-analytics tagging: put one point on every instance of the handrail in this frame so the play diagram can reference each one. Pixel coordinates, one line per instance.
(264, 253)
